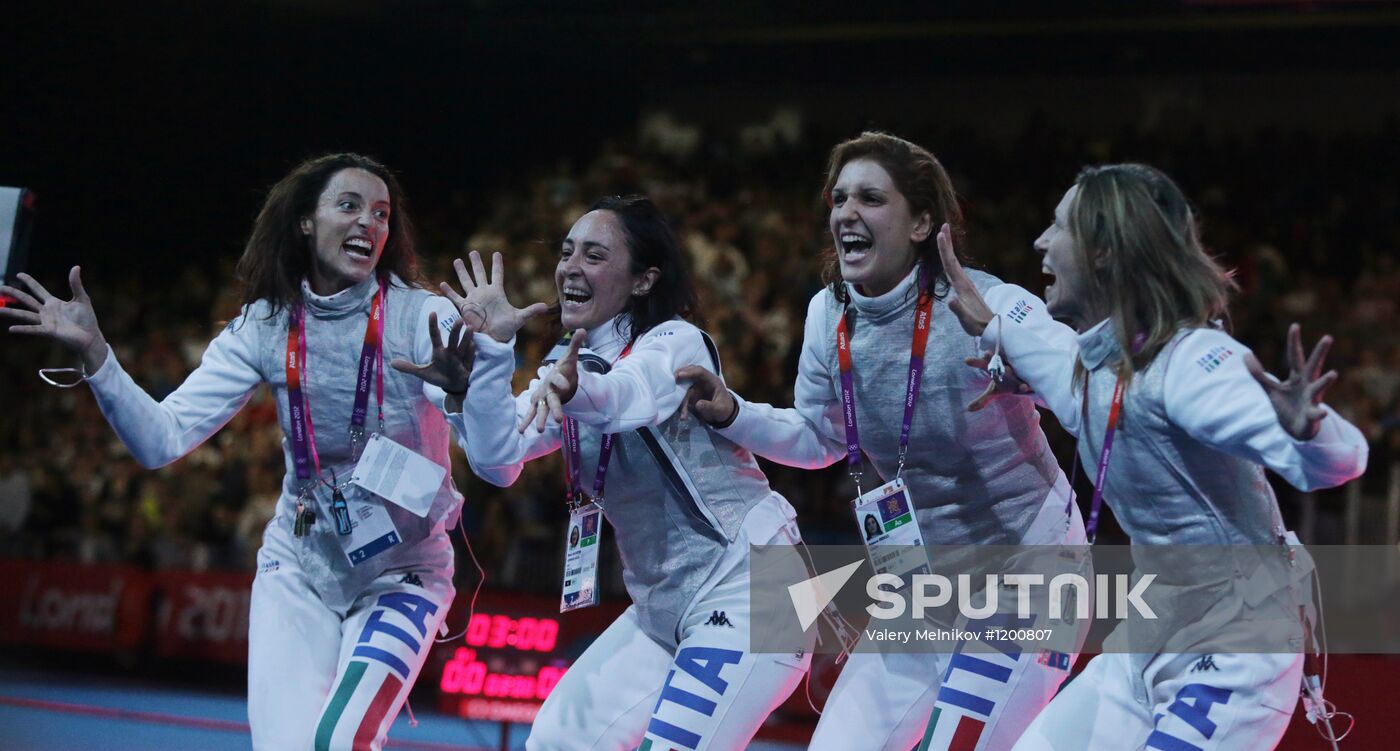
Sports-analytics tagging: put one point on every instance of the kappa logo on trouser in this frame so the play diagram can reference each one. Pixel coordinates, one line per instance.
(718, 618)
(705, 665)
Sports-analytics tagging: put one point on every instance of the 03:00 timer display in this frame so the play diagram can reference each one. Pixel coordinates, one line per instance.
(500, 631)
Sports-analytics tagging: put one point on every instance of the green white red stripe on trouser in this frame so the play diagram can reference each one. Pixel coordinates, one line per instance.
(707, 693)
(325, 678)
(970, 700)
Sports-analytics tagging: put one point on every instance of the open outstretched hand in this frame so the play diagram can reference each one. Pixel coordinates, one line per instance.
(483, 304)
(72, 323)
(450, 367)
(1298, 399)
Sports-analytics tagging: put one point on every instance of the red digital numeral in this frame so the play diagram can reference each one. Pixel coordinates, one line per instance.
(547, 636)
(478, 629)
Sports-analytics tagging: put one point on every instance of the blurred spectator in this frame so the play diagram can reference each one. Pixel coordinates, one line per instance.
(16, 498)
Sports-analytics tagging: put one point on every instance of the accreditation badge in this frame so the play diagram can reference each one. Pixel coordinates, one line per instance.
(890, 530)
(399, 475)
(581, 558)
(371, 530)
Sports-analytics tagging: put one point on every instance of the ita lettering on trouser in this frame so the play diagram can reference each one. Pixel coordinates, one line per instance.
(416, 608)
(706, 666)
(974, 687)
(1192, 706)
(355, 714)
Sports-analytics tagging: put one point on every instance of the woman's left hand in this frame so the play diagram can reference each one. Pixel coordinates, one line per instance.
(1297, 400)
(450, 368)
(1009, 383)
(556, 388)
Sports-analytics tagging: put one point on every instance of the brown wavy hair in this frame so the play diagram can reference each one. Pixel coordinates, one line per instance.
(918, 175)
(278, 254)
(1135, 228)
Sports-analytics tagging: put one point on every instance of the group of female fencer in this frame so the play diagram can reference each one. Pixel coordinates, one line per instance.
(355, 574)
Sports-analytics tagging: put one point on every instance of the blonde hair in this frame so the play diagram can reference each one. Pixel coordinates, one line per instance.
(1136, 233)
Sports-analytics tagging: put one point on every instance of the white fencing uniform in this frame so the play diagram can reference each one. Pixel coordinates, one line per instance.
(1186, 469)
(1221, 701)
(675, 670)
(985, 477)
(333, 648)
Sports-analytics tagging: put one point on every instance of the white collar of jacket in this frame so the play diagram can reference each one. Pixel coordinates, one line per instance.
(607, 340)
(340, 303)
(893, 301)
(1098, 344)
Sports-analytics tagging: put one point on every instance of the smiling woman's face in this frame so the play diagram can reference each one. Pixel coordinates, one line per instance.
(871, 226)
(594, 277)
(348, 230)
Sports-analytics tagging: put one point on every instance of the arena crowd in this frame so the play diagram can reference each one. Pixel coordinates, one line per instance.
(1310, 224)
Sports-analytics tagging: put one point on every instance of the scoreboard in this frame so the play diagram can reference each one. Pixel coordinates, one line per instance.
(508, 655)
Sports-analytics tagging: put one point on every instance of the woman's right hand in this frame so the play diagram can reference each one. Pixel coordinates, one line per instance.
(72, 323)
(483, 304)
(708, 397)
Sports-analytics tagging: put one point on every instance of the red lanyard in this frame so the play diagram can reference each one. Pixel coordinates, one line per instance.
(1114, 410)
(923, 320)
(304, 456)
